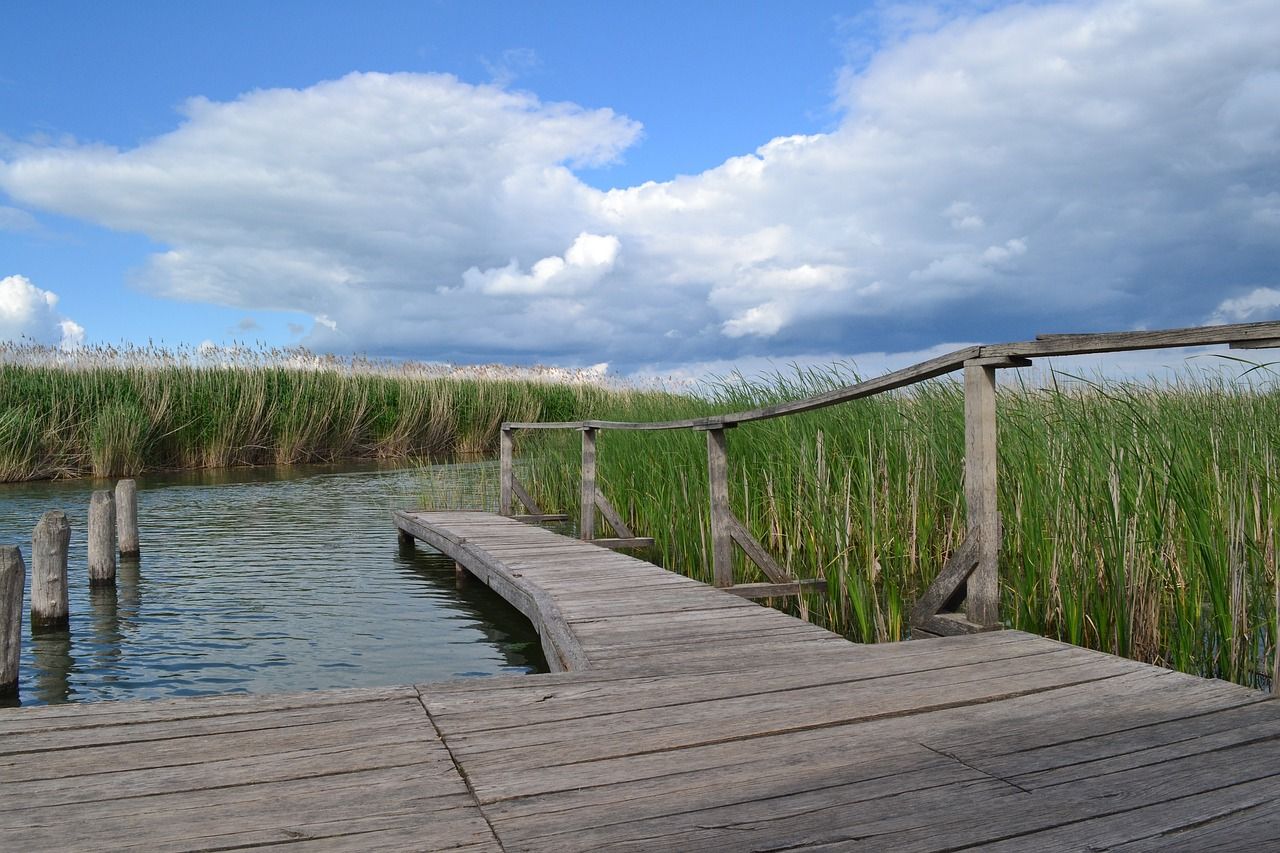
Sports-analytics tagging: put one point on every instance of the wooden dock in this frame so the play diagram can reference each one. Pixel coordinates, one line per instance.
(682, 718)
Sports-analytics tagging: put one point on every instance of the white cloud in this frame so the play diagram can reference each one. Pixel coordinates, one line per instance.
(26, 311)
(72, 334)
(1035, 168)
(588, 260)
(1262, 303)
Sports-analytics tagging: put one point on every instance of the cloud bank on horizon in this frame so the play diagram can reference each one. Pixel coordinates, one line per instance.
(1058, 167)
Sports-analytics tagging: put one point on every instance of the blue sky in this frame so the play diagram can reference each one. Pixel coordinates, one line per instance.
(664, 187)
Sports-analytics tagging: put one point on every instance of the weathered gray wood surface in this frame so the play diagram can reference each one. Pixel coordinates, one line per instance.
(506, 472)
(687, 719)
(587, 515)
(363, 770)
(49, 543)
(127, 517)
(721, 529)
(102, 538)
(13, 577)
(982, 600)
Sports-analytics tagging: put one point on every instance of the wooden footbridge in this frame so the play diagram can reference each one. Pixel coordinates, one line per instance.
(685, 717)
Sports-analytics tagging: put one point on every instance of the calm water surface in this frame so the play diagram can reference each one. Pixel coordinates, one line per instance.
(262, 581)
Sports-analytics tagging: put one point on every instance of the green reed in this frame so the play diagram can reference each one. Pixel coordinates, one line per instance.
(109, 412)
(1139, 519)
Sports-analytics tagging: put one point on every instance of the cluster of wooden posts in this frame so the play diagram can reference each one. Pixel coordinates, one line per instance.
(113, 529)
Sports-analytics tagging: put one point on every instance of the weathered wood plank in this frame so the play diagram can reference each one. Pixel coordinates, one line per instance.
(775, 590)
(632, 542)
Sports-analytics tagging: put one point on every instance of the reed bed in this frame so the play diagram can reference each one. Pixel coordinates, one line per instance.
(110, 412)
(1139, 519)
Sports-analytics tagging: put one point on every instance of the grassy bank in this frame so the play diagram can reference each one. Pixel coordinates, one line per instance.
(1139, 520)
(107, 412)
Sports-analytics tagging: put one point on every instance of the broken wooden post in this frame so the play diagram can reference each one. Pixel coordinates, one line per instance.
(49, 544)
(982, 599)
(721, 516)
(13, 577)
(506, 473)
(587, 515)
(127, 517)
(102, 538)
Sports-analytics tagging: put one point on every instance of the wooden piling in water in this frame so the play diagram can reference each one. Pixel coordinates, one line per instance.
(127, 517)
(13, 577)
(49, 543)
(102, 538)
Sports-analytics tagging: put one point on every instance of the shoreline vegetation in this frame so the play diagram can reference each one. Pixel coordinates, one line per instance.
(1139, 519)
(108, 412)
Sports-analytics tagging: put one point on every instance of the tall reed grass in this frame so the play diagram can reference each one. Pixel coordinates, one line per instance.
(110, 412)
(1139, 519)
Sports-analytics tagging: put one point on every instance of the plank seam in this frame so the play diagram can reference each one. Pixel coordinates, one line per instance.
(462, 772)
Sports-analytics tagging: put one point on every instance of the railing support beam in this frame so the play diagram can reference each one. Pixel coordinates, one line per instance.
(587, 517)
(506, 472)
(982, 599)
(721, 516)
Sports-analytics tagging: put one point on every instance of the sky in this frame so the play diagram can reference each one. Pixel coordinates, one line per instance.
(664, 188)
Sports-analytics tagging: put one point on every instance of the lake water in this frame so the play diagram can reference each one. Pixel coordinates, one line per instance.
(262, 581)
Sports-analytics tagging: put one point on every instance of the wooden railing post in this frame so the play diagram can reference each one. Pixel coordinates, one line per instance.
(505, 472)
(982, 600)
(721, 516)
(587, 517)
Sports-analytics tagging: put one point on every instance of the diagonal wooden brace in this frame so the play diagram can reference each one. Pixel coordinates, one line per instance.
(756, 552)
(955, 572)
(612, 516)
(524, 497)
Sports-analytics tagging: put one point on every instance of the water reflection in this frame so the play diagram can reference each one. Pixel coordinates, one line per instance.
(261, 581)
(51, 656)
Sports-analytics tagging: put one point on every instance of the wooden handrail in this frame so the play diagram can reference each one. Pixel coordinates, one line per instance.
(1042, 346)
(975, 564)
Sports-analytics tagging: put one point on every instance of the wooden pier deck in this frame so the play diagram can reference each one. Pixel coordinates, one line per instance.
(682, 718)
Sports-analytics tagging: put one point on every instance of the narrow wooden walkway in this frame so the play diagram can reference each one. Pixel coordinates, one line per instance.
(684, 718)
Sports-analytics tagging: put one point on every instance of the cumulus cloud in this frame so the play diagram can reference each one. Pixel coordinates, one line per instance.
(30, 313)
(588, 260)
(1262, 303)
(994, 174)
